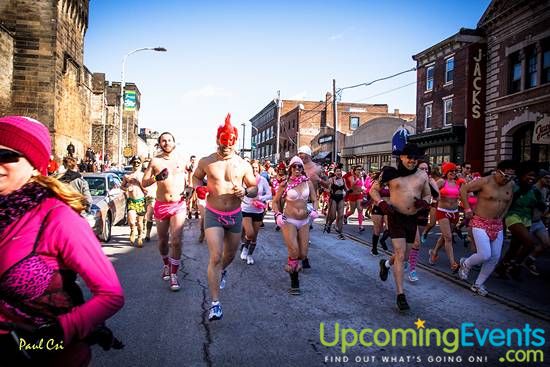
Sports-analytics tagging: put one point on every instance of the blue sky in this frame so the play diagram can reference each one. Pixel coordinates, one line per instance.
(233, 56)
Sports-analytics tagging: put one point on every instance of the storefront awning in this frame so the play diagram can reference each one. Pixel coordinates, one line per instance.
(450, 135)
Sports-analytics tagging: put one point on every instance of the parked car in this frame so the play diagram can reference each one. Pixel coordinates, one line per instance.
(120, 174)
(108, 203)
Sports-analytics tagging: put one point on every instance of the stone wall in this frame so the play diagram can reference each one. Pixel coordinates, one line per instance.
(6, 67)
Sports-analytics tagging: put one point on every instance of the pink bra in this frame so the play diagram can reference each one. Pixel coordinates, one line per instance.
(293, 194)
(451, 192)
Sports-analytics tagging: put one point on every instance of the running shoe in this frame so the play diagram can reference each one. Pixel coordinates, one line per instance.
(244, 253)
(341, 236)
(250, 260)
(433, 257)
(455, 268)
(405, 266)
(294, 284)
(223, 280)
(174, 283)
(383, 270)
(140, 242)
(532, 269)
(196, 215)
(133, 235)
(294, 291)
(374, 251)
(189, 215)
(345, 220)
(479, 289)
(215, 312)
(413, 277)
(277, 228)
(305, 263)
(402, 304)
(464, 270)
(165, 272)
(361, 229)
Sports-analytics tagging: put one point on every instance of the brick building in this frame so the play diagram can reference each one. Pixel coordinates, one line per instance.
(517, 122)
(49, 81)
(450, 99)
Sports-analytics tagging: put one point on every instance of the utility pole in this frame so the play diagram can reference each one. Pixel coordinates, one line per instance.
(244, 133)
(277, 158)
(335, 112)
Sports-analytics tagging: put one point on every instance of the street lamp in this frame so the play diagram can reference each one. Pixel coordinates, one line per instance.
(244, 133)
(122, 85)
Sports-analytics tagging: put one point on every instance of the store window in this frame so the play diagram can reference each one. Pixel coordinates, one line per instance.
(439, 154)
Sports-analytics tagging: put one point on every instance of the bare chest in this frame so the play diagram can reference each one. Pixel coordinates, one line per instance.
(225, 171)
(410, 183)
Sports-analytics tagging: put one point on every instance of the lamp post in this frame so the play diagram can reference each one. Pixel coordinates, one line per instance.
(122, 85)
(244, 133)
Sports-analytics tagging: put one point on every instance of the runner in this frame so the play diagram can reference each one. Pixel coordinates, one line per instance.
(377, 217)
(354, 195)
(226, 173)
(191, 197)
(336, 205)
(253, 213)
(131, 184)
(169, 173)
(150, 194)
(409, 192)
(495, 194)
(447, 214)
(423, 218)
(275, 182)
(294, 219)
(538, 229)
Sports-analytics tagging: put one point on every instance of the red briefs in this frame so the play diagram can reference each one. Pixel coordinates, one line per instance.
(166, 209)
(353, 197)
(490, 226)
(451, 215)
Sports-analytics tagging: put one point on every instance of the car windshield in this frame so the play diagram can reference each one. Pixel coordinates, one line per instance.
(97, 185)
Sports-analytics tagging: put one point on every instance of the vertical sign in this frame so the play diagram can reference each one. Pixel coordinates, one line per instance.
(130, 100)
(475, 102)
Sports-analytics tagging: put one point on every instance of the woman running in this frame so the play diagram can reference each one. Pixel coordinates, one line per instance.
(422, 221)
(354, 196)
(447, 214)
(253, 213)
(336, 207)
(294, 220)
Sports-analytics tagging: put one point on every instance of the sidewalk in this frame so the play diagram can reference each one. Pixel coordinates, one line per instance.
(532, 292)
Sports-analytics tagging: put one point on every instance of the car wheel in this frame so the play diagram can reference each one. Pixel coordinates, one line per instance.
(107, 228)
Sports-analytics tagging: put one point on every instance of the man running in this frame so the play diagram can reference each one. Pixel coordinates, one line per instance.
(169, 173)
(409, 193)
(495, 193)
(226, 173)
(131, 184)
(189, 192)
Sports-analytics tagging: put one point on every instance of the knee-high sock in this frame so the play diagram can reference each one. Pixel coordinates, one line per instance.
(413, 257)
(360, 217)
(174, 265)
(251, 248)
(149, 226)
(245, 244)
(375, 241)
(385, 235)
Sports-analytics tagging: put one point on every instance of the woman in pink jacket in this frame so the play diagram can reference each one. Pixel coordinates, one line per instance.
(44, 244)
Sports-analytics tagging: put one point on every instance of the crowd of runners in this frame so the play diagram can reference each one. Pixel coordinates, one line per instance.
(231, 196)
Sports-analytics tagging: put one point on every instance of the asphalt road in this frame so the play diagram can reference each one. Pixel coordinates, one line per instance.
(265, 326)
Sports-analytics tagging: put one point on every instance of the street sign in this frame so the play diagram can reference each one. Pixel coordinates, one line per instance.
(130, 99)
(128, 152)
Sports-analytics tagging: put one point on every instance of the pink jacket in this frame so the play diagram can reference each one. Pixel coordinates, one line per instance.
(66, 242)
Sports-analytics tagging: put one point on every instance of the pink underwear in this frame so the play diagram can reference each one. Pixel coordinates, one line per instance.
(165, 209)
(490, 226)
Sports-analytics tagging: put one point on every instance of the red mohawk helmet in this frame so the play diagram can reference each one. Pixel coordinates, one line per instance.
(227, 134)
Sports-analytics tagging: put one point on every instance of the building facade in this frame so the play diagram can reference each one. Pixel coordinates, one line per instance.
(517, 121)
(450, 99)
(49, 81)
(371, 144)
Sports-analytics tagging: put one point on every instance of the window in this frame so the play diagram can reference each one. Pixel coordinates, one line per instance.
(430, 78)
(353, 123)
(531, 66)
(449, 70)
(545, 73)
(428, 116)
(447, 111)
(515, 73)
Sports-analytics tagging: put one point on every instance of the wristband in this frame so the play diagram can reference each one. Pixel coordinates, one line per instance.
(154, 178)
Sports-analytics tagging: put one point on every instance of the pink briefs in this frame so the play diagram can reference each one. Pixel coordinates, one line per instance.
(166, 209)
(490, 226)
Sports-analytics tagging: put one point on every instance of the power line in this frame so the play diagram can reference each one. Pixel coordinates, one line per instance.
(339, 90)
(385, 92)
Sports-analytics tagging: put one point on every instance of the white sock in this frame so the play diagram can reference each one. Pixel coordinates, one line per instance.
(387, 264)
(215, 303)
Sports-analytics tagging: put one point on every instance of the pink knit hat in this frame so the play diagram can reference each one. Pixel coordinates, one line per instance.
(29, 137)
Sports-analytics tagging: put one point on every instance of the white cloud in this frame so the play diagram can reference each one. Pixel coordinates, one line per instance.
(206, 92)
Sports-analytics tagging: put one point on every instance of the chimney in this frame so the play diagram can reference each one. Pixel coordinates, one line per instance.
(396, 111)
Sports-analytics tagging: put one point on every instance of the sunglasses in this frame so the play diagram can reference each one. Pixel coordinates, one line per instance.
(9, 156)
(411, 158)
(506, 176)
(467, 167)
(423, 168)
(296, 166)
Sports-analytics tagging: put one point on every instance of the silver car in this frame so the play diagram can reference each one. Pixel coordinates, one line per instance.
(108, 203)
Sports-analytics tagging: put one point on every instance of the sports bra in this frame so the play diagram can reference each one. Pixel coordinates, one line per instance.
(451, 192)
(334, 187)
(293, 194)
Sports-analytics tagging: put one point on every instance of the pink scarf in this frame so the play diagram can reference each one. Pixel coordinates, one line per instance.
(293, 182)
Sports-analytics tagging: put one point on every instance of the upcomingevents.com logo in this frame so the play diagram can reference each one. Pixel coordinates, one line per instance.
(522, 344)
